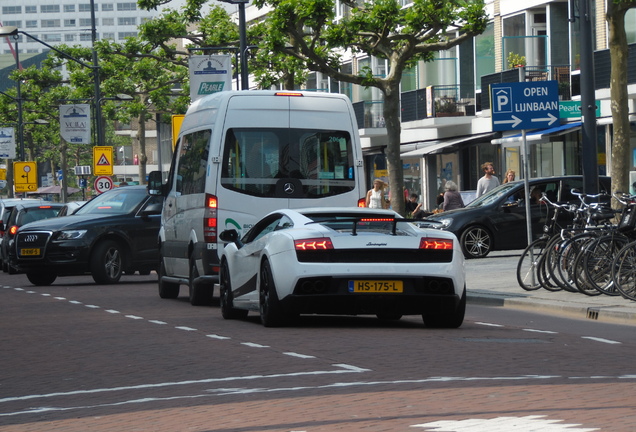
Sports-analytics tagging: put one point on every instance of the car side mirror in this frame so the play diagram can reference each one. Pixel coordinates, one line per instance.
(155, 184)
(152, 209)
(231, 236)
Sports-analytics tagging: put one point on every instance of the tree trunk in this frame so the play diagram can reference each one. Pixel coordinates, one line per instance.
(141, 136)
(619, 102)
(394, 162)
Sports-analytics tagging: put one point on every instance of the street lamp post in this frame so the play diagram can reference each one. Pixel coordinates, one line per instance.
(243, 41)
(14, 31)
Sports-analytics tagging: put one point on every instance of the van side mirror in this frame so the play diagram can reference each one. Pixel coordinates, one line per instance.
(155, 184)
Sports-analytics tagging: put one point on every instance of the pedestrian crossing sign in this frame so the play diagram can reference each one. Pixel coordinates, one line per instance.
(103, 160)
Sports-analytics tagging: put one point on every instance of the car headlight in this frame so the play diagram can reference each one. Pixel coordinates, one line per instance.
(446, 223)
(71, 235)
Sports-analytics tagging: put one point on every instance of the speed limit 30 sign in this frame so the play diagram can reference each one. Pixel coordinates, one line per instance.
(103, 184)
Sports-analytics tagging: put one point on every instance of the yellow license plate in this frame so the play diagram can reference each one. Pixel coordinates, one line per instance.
(30, 252)
(375, 286)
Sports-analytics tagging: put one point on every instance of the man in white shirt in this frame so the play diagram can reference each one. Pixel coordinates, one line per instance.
(488, 182)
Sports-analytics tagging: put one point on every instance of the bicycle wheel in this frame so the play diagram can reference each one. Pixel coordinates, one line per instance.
(624, 271)
(577, 272)
(567, 255)
(546, 264)
(598, 261)
(528, 265)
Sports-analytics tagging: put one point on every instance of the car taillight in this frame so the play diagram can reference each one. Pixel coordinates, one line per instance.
(13, 230)
(436, 243)
(313, 244)
(210, 219)
(362, 202)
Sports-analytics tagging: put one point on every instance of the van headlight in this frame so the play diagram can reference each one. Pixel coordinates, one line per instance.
(70, 235)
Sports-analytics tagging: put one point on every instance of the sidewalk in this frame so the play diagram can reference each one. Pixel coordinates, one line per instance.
(493, 281)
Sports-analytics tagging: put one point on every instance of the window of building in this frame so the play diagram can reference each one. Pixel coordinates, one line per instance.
(86, 37)
(127, 21)
(70, 23)
(124, 35)
(31, 23)
(126, 6)
(50, 23)
(30, 9)
(109, 36)
(70, 37)
(49, 8)
(108, 7)
(485, 54)
(32, 51)
(108, 21)
(52, 37)
(630, 25)
(87, 22)
(11, 10)
(69, 8)
(86, 7)
(17, 23)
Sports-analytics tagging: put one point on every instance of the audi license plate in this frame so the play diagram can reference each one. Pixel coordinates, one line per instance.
(30, 252)
(375, 286)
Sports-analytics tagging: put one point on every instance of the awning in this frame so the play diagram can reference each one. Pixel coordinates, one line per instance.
(538, 135)
(435, 146)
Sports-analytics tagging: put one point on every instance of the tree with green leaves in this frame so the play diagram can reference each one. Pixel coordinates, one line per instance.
(621, 159)
(312, 34)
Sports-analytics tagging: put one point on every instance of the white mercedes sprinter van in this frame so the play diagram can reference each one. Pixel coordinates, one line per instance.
(240, 155)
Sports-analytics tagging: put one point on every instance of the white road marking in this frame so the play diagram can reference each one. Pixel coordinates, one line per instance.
(341, 369)
(60, 298)
(488, 324)
(112, 311)
(214, 336)
(92, 306)
(293, 354)
(157, 322)
(185, 328)
(540, 331)
(74, 302)
(607, 341)
(254, 345)
(43, 294)
(19, 289)
(135, 317)
(530, 423)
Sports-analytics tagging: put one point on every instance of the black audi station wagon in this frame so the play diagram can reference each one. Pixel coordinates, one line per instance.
(114, 233)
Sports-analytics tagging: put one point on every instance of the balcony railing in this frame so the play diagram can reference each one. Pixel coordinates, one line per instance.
(446, 101)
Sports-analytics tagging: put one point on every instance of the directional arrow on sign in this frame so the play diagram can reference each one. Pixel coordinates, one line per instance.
(550, 119)
(514, 122)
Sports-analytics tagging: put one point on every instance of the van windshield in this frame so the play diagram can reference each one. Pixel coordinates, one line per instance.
(263, 162)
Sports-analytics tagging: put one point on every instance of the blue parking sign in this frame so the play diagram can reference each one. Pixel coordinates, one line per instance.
(524, 105)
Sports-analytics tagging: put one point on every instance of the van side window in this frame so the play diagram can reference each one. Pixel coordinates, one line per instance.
(193, 162)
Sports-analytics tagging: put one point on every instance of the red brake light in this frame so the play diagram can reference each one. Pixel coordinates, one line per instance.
(436, 243)
(210, 219)
(377, 220)
(288, 94)
(362, 202)
(45, 207)
(313, 244)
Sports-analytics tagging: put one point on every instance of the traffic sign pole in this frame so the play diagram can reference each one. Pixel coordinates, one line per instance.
(525, 105)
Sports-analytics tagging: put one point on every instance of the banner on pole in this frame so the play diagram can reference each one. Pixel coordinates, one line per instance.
(7, 143)
(209, 74)
(75, 123)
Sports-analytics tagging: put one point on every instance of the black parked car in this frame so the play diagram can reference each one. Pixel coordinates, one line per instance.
(115, 232)
(497, 220)
(22, 214)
